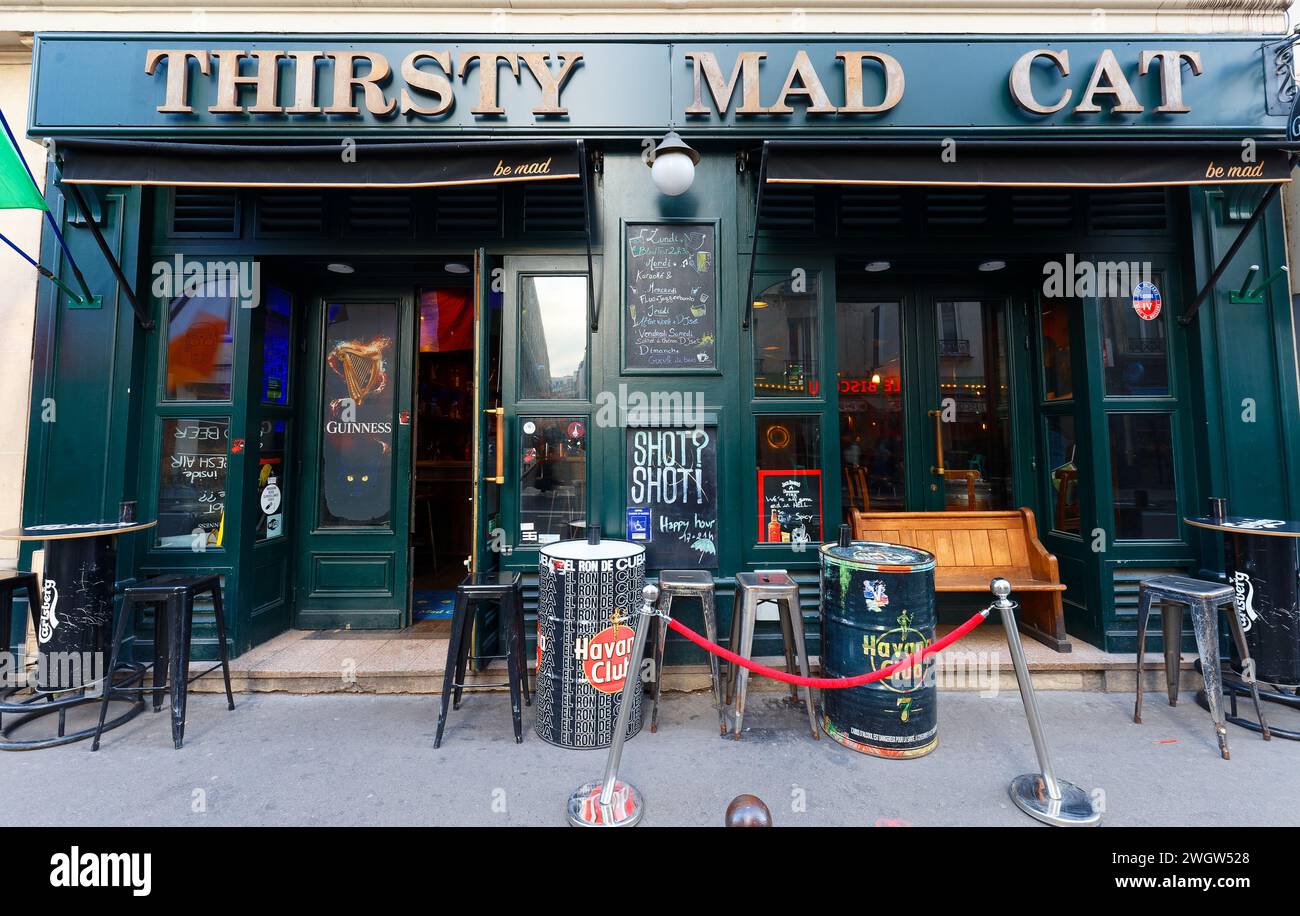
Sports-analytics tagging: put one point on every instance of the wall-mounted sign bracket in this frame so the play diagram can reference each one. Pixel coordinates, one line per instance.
(1247, 296)
(141, 315)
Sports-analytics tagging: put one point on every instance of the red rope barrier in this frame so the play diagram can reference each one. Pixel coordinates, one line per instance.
(830, 682)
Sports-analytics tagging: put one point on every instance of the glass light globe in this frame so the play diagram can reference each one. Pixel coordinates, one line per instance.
(673, 173)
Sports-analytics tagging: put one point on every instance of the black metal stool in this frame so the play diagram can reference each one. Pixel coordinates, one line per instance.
(173, 625)
(686, 583)
(751, 589)
(11, 580)
(503, 590)
(1204, 598)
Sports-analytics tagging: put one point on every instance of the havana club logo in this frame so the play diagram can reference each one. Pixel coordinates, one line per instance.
(606, 655)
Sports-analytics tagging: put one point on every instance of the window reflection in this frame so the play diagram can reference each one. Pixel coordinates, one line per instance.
(1133, 350)
(192, 483)
(552, 479)
(553, 337)
(1142, 476)
(275, 347)
(786, 332)
(1062, 455)
(1057, 384)
(871, 405)
(199, 351)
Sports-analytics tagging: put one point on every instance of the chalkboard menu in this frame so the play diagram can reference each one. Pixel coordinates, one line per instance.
(672, 495)
(790, 506)
(670, 283)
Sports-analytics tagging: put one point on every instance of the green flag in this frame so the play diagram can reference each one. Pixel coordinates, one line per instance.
(16, 189)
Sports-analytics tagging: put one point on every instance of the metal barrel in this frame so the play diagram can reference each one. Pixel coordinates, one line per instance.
(878, 607)
(587, 608)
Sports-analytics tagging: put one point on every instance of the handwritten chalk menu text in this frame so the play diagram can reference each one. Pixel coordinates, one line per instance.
(673, 473)
(670, 318)
(192, 483)
(790, 506)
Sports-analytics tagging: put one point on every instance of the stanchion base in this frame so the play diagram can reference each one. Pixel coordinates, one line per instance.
(624, 810)
(1073, 809)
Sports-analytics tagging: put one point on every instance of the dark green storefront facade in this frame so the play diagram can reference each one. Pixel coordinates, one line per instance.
(873, 304)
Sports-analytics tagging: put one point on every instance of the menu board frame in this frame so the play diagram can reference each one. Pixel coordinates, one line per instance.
(625, 224)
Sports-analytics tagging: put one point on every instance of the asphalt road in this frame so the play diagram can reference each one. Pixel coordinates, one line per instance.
(369, 760)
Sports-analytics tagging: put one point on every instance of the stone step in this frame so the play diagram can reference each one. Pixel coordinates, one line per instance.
(307, 662)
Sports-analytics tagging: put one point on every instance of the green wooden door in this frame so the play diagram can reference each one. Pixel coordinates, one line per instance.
(354, 553)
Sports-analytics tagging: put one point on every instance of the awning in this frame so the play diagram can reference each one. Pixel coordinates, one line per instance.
(1024, 164)
(1059, 164)
(318, 165)
(397, 165)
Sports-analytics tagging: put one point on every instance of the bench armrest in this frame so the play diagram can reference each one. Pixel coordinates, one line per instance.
(1041, 561)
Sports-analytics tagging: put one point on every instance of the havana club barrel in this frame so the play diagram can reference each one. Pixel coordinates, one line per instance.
(878, 607)
(588, 601)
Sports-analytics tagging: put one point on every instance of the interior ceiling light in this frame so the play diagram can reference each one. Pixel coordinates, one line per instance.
(338, 267)
(456, 267)
(875, 267)
(990, 266)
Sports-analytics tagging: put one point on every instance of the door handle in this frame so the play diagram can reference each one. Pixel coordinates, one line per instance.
(938, 470)
(500, 414)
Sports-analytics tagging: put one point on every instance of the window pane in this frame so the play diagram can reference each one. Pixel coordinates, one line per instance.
(199, 350)
(275, 347)
(789, 479)
(553, 337)
(1057, 384)
(192, 483)
(1062, 454)
(786, 335)
(871, 405)
(358, 404)
(1133, 350)
(552, 479)
(972, 353)
(1142, 475)
(271, 478)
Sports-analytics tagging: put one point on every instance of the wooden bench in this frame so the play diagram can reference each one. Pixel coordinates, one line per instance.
(971, 548)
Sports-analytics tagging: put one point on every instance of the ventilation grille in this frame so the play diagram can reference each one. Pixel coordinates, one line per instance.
(956, 209)
(789, 210)
(1134, 210)
(197, 211)
(291, 213)
(1041, 209)
(474, 210)
(379, 213)
(554, 206)
(868, 211)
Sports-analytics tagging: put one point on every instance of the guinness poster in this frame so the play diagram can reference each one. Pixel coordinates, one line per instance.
(357, 423)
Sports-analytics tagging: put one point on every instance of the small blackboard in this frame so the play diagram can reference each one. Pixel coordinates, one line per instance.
(673, 475)
(670, 293)
(790, 506)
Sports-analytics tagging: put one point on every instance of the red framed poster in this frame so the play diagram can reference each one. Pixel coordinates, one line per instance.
(789, 506)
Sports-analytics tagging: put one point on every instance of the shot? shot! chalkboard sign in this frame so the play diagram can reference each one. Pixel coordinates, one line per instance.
(672, 495)
(670, 291)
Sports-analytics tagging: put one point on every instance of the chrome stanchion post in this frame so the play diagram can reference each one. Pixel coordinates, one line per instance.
(1040, 795)
(609, 802)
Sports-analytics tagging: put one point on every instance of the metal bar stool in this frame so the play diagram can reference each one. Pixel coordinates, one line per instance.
(502, 589)
(1204, 598)
(173, 628)
(752, 588)
(686, 583)
(11, 580)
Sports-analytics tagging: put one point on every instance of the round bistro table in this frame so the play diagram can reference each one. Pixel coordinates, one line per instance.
(1263, 566)
(74, 628)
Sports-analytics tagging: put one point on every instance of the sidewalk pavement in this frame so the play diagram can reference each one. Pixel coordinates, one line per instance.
(369, 760)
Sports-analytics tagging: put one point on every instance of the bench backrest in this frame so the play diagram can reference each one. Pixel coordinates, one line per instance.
(969, 541)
